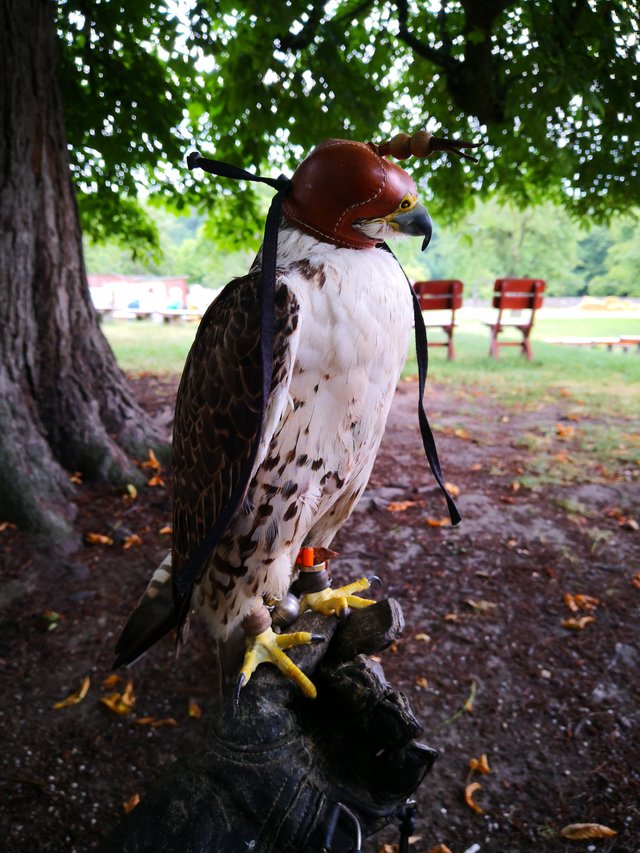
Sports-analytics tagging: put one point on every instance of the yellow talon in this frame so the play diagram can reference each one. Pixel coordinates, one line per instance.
(266, 647)
(334, 601)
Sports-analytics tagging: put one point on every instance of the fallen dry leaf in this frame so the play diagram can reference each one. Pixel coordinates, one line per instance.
(577, 623)
(151, 462)
(481, 606)
(130, 804)
(76, 478)
(154, 722)
(167, 530)
(98, 539)
(400, 506)
(131, 541)
(480, 765)
(6, 525)
(453, 490)
(635, 580)
(120, 703)
(425, 638)
(451, 617)
(439, 848)
(438, 522)
(132, 493)
(156, 480)
(469, 791)
(580, 601)
(565, 432)
(77, 695)
(628, 523)
(194, 710)
(421, 681)
(586, 831)
(461, 433)
(515, 485)
(111, 680)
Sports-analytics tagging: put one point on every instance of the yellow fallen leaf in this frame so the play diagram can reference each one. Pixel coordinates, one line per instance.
(451, 617)
(424, 638)
(155, 481)
(577, 624)
(439, 848)
(151, 462)
(194, 710)
(111, 680)
(480, 765)
(453, 490)
(586, 602)
(130, 804)
(421, 681)
(461, 433)
(167, 530)
(6, 525)
(628, 523)
(438, 522)
(400, 506)
(155, 723)
(469, 791)
(77, 695)
(76, 478)
(98, 539)
(131, 541)
(132, 493)
(586, 831)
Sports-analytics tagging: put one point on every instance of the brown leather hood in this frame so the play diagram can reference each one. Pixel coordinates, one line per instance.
(339, 182)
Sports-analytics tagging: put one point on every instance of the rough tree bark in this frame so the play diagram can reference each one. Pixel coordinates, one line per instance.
(64, 403)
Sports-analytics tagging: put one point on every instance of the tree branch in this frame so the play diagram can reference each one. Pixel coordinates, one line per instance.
(441, 58)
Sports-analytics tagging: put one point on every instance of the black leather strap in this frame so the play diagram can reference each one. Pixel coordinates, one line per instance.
(184, 580)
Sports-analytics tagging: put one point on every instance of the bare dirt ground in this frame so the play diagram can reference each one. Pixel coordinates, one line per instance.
(488, 659)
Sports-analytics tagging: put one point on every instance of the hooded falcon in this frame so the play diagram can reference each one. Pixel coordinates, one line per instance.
(342, 317)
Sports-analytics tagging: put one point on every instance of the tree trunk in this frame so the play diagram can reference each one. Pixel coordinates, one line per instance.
(64, 403)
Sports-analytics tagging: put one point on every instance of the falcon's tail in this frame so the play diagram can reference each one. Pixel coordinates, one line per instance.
(154, 617)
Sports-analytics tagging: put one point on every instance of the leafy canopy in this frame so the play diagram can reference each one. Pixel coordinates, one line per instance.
(549, 88)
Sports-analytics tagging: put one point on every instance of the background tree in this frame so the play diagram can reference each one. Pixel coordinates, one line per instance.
(64, 403)
(550, 88)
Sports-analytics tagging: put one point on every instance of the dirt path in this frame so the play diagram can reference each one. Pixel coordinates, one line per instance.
(485, 660)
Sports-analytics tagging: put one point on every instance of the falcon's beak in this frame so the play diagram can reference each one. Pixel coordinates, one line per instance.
(414, 222)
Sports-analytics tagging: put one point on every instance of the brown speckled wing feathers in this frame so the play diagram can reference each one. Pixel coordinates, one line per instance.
(218, 406)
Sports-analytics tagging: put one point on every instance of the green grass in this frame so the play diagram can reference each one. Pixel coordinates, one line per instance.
(599, 380)
(142, 346)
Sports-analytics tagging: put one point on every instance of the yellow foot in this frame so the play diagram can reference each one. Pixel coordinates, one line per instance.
(266, 647)
(336, 601)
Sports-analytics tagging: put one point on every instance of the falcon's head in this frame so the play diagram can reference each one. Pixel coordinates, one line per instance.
(348, 194)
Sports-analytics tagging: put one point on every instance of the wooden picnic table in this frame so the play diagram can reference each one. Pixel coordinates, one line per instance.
(624, 341)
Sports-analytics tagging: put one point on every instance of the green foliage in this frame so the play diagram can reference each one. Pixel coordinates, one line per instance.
(550, 89)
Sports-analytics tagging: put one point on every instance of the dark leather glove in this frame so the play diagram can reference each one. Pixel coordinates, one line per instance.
(284, 774)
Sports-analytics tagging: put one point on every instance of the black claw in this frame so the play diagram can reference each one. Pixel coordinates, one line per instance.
(374, 580)
(241, 682)
(344, 614)
(317, 638)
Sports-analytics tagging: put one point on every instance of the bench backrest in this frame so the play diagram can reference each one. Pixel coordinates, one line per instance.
(515, 294)
(439, 294)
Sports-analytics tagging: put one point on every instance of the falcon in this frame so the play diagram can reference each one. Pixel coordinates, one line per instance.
(341, 323)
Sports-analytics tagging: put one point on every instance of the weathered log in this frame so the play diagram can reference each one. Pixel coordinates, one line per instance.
(283, 774)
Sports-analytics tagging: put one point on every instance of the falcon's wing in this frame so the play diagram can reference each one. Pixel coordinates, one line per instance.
(216, 422)
(218, 406)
